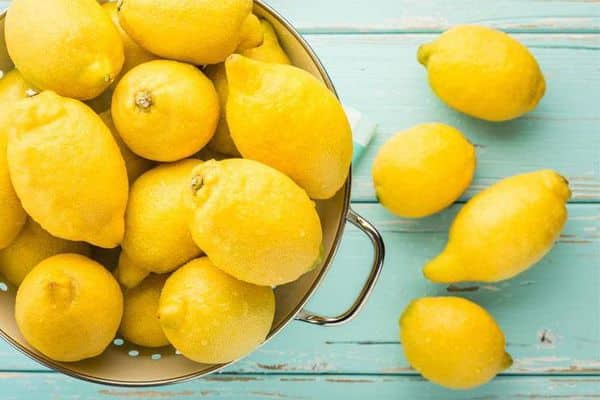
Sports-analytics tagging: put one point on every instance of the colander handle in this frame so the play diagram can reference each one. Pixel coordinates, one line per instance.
(379, 254)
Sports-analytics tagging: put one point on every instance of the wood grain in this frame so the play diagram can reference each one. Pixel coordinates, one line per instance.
(387, 16)
(300, 387)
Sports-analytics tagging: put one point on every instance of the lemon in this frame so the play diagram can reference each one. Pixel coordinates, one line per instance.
(503, 230)
(453, 342)
(134, 53)
(165, 110)
(32, 246)
(140, 324)
(69, 47)
(211, 317)
(252, 221)
(251, 34)
(269, 51)
(157, 237)
(69, 308)
(195, 31)
(67, 169)
(13, 87)
(128, 273)
(221, 142)
(483, 73)
(135, 164)
(423, 170)
(284, 117)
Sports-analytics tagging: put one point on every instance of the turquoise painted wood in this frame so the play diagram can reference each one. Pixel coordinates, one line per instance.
(550, 314)
(300, 387)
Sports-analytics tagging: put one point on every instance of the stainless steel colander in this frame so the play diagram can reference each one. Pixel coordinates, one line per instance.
(125, 364)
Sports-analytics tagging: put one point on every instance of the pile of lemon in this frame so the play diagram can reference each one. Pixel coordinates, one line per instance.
(101, 125)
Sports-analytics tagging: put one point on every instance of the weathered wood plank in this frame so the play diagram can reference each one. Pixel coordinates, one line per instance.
(379, 75)
(316, 16)
(14, 386)
(550, 314)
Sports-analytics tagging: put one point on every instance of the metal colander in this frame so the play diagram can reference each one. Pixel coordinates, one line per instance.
(126, 364)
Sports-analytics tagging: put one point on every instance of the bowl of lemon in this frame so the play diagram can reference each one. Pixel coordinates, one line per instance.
(174, 183)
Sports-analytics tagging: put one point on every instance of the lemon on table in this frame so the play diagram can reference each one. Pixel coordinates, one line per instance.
(69, 308)
(252, 221)
(483, 73)
(157, 237)
(165, 110)
(69, 47)
(128, 273)
(423, 170)
(503, 230)
(135, 164)
(211, 317)
(13, 87)
(453, 342)
(67, 169)
(194, 31)
(286, 118)
(32, 246)
(268, 51)
(140, 324)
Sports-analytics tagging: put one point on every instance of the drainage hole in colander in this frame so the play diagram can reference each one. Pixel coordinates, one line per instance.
(156, 357)
(118, 342)
(177, 353)
(134, 353)
(3, 287)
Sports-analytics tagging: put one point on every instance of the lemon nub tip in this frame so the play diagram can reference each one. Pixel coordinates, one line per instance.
(507, 362)
(423, 54)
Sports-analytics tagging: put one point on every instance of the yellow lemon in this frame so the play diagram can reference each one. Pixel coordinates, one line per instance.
(483, 73)
(32, 246)
(252, 221)
(135, 164)
(423, 170)
(74, 49)
(157, 237)
(128, 273)
(67, 169)
(503, 230)
(195, 31)
(69, 308)
(13, 87)
(140, 324)
(453, 342)
(284, 117)
(165, 110)
(211, 317)
(251, 34)
(269, 51)
(134, 53)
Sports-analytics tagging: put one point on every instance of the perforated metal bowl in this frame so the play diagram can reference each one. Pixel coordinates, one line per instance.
(125, 364)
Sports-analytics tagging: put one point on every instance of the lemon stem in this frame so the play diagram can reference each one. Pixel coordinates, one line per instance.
(143, 100)
(197, 183)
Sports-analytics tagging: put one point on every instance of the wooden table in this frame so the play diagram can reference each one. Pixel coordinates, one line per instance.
(550, 314)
